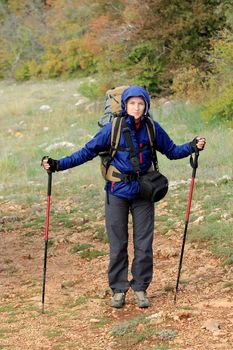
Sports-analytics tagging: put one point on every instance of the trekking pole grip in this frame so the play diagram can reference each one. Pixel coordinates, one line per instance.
(194, 162)
(49, 182)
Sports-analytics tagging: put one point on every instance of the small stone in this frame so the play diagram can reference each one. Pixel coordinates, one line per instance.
(140, 327)
(94, 320)
(165, 251)
(199, 220)
(211, 325)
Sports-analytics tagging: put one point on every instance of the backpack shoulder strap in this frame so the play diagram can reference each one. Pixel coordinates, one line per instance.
(115, 134)
(133, 154)
(150, 126)
(151, 131)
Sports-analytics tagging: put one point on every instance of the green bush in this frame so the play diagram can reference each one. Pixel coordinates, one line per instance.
(89, 89)
(145, 66)
(22, 72)
(220, 109)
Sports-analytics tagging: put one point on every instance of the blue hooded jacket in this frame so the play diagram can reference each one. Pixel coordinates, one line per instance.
(102, 141)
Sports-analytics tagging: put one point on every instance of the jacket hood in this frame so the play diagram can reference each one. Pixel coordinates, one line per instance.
(135, 91)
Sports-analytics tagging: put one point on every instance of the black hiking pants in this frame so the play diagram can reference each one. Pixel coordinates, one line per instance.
(116, 215)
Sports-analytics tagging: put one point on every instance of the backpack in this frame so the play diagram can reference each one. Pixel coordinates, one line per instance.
(112, 112)
(112, 104)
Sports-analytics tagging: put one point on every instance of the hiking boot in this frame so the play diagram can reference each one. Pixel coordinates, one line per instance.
(118, 300)
(141, 299)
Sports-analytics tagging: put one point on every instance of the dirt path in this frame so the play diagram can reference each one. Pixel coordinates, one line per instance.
(78, 315)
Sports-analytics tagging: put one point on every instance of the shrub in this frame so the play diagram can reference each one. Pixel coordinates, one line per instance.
(89, 89)
(22, 72)
(145, 66)
(220, 109)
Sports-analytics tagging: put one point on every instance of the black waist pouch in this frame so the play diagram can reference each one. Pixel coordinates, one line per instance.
(153, 186)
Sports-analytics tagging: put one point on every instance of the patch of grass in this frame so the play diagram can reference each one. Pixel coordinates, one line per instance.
(4, 332)
(65, 345)
(32, 171)
(10, 269)
(100, 234)
(32, 198)
(80, 247)
(127, 326)
(38, 222)
(11, 319)
(30, 234)
(102, 322)
(7, 261)
(77, 302)
(213, 217)
(228, 284)
(92, 254)
(183, 281)
(184, 307)
(162, 218)
(50, 242)
(133, 331)
(89, 90)
(7, 227)
(166, 334)
(52, 333)
(8, 164)
(228, 261)
(167, 225)
(219, 236)
(63, 218)
(168, 288)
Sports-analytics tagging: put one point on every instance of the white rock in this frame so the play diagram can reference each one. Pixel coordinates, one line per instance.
(199, 220)
(45, 108)
(211, 325)
(60, 144)
(81, 101)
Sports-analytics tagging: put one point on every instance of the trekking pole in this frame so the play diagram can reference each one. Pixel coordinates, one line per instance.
(194, 165)
(46, 235)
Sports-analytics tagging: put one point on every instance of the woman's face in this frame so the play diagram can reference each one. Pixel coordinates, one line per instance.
(135, 106)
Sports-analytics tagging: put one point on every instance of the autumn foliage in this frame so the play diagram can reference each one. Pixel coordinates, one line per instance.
(161, 44)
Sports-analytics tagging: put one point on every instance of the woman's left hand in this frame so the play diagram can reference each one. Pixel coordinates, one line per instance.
(201, 141)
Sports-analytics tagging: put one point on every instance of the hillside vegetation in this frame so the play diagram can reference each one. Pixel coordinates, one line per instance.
(182, 47)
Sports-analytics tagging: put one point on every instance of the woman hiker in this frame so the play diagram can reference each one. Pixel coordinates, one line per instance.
(123, 197)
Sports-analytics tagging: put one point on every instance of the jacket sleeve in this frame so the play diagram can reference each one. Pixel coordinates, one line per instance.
(165, 145)
(99, 143)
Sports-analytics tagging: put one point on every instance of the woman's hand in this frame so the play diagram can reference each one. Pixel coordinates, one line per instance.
(198, 143)
(201, 141)
(49, 164)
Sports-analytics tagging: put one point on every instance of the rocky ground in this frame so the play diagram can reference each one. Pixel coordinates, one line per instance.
(77, 312)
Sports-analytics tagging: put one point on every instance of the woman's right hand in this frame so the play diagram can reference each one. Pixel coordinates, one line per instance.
(49, 164)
